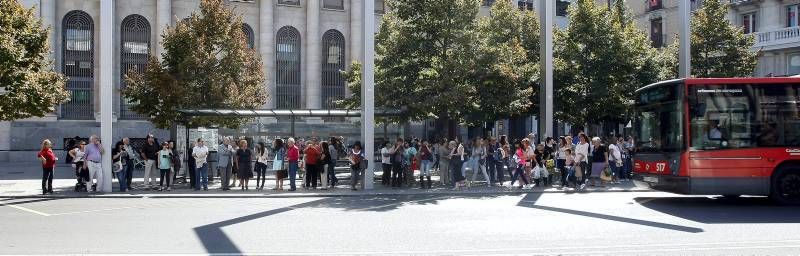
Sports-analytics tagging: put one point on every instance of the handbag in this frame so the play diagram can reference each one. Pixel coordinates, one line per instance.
(550, 163)
(277, 164)
(606, 175)
(537, 172)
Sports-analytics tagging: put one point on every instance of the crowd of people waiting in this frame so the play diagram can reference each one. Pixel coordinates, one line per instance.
(565, 162)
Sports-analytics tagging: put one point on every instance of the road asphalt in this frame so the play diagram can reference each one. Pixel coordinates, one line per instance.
(612, 223)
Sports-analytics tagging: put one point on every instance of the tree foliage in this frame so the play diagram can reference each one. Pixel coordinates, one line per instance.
(206, 64)
(601, 58)
(28, 85)
(719, 48)
(507, 73)
(437, 59)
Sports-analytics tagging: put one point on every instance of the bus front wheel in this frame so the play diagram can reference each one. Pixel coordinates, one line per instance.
(786, 186)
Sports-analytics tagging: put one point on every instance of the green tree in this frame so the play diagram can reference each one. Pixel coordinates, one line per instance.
(719, 48)
(28, 85)
(206, 64)
(600, 59)
(507, 70)
(424, 59)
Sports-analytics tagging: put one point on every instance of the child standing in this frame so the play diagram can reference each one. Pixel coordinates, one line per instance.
(164, 161)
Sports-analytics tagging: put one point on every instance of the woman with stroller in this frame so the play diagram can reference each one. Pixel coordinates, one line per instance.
(78, 162)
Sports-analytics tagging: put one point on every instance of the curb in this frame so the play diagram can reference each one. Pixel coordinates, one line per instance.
(323, 195)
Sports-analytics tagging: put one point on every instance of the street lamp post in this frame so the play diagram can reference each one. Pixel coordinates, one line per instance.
(685, 58)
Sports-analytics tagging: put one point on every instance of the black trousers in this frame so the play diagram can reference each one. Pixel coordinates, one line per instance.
(312, 174)
(387, 174)
(164, 174)
(397, 174)
(47, 179)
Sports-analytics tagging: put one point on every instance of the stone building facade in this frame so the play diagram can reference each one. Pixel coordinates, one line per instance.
(773, 23)
(303, 44)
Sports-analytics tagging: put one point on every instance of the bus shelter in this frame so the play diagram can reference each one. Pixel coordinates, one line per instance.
(211, 135)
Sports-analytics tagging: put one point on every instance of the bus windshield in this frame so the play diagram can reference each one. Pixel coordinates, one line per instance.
(658, 121)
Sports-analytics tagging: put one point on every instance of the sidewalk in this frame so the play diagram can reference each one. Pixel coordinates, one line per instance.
(19, 180)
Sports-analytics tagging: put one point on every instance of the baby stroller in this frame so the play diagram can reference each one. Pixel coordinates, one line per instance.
(82, 175)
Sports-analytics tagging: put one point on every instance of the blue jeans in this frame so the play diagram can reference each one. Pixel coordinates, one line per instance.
(614, 169)
(491, 169)
(627, 167)
(292, 174)
(425, 168)
(123, 182)
(201, 176)
(519, 173)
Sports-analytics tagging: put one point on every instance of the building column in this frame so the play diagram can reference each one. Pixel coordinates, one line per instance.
(266, 46)
(356, 31)
(313, 86)
(546, 15)
(163, 20)
(106, 87)
(368, 92)
(47, 12)
(356, 36)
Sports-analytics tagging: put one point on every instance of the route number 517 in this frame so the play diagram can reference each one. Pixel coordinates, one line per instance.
(660, 167)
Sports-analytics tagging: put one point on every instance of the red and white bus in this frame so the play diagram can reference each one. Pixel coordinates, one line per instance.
(727, 136)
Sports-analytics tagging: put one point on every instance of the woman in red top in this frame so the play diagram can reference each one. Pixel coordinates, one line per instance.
(292, 156)
(312, 168)
(48, 159)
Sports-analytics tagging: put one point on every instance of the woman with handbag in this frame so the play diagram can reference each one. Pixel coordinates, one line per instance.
(561, 159)
(582, 159)
(278, 154)
(243, 160)
(519, 165)
(530, 158)
(261, 165)
(325, 161)
(357, 164)
(456, 162)
(599, 161)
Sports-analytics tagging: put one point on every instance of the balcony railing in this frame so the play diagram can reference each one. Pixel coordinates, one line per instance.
(777, 39)
(741, 2)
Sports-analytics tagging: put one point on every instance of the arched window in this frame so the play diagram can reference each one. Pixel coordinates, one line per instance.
(77, 64)
(249, 35)
(332, 63)
(134, 51)
(287, 63)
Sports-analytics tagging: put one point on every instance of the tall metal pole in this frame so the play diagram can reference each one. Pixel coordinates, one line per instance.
(368, 92)
(546, 11)
(684, 55)
(106, 89)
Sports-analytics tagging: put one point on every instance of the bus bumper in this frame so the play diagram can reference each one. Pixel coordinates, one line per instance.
(679, 185)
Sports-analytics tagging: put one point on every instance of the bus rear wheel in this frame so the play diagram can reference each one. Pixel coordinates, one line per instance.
(786, 186)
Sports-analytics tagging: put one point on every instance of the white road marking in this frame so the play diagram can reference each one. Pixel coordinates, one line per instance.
(25, 209)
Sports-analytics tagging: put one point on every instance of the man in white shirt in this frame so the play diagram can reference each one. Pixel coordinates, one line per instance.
(200, 152)
(386, 163)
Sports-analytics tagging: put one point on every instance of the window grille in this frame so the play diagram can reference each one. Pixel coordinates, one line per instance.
(134, 51)
(78, 64)
(288, 68)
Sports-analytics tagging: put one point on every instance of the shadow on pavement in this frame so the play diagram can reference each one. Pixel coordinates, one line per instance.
(715, 210)
(217, 242)
(3, 202)
(529, 201)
